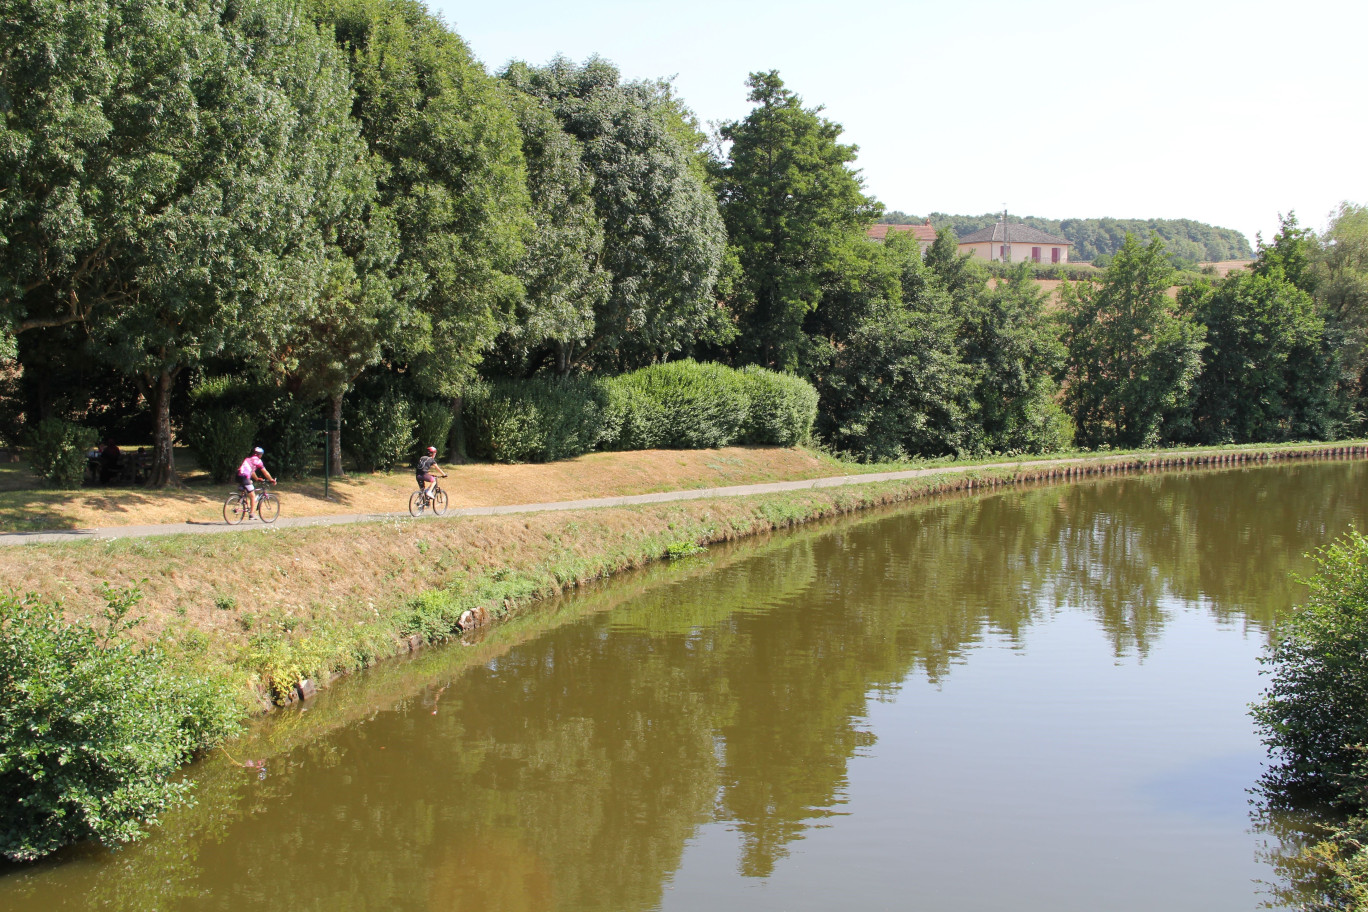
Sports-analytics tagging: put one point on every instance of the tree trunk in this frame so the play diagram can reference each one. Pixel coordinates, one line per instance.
(456, 443)
(335, 437)
(162, 472)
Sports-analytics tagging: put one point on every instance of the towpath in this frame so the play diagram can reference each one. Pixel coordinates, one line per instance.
(212, 527)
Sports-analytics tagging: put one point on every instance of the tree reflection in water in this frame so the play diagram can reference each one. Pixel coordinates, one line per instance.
(578, 750)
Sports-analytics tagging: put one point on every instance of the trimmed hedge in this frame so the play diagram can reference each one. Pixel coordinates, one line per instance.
(682, 405)
(535, 420)
(379, 432)
(221, 439)
(677, 405)
(782, 407)
(232, 415)
(432, 426)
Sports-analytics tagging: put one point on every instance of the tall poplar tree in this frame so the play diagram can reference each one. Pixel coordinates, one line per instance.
(791, 201)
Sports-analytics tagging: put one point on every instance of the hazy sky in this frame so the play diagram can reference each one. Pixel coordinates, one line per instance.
(1224, 112)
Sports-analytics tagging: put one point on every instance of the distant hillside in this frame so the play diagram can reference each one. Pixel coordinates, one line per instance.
(1194, 242)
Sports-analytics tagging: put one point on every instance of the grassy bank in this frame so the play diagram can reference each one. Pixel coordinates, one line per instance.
(27, 506)
(274, 606)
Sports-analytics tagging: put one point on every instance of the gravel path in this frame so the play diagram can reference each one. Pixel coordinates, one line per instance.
(212, 527)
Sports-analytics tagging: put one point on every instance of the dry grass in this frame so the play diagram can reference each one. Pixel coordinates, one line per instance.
(1226, 267)
(229, 586)
(26, 507)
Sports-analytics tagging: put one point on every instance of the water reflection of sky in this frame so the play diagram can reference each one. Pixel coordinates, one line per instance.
(1034, 777)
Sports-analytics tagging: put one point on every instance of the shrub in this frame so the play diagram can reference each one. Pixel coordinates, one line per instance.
(58, 451)
(221, 439)
(379, 432)
(782, 407)
(92, 728)
(1314, 714)
(432, 420)
(638, 420)
(535, 420)
(681, 405)
(292, 446)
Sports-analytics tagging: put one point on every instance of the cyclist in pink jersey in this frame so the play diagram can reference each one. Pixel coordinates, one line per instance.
(246, 472)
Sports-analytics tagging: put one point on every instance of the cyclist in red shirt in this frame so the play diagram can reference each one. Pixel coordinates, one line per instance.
(426, 465)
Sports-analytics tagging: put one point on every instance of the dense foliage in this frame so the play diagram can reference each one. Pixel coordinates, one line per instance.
(57, 451)
(1314, 715)
(335, 205)
(679, 404)
(1132, 354)
(92, 727)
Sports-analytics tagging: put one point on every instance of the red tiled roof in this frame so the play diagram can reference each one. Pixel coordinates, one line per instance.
(920, 232)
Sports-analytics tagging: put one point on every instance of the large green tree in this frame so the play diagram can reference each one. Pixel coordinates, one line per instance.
(452, 180)
(166, 164)
(1013, 353)
(562, 269)
(1132, 356)
(1268, 370)
(663, 240)
(791, 201)
(884, 352)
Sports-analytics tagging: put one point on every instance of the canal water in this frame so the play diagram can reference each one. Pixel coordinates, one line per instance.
(1028, 700)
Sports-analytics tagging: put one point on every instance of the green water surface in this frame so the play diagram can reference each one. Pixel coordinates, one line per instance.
(1029, 700)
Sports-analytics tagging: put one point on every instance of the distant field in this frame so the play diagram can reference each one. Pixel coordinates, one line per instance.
(1225, 267)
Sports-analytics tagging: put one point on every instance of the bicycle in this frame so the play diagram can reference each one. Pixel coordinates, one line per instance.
(235, 507)
(419, 501)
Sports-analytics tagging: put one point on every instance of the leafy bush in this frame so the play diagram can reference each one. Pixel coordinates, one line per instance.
(230, 391)
(782, 407)
(379, 432)
(638, 420)
(292, 446)
(534, 420)
(1314, 714)
(433, 420)
(221, 439)
(57, 451)
(92, 727)
(681, 405)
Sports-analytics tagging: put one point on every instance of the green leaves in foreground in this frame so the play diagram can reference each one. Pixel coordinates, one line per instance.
(92, 728)
(1314, 714)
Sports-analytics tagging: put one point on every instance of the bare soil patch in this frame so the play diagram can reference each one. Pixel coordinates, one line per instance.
(1226, 267)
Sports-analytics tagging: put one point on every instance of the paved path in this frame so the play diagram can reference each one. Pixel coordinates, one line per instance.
(209, 527)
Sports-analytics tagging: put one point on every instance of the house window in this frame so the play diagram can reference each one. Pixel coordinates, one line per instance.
(1035, 254)
(1002, 252)
(1054, 254)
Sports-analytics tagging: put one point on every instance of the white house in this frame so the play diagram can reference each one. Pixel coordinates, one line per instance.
(1013, 242)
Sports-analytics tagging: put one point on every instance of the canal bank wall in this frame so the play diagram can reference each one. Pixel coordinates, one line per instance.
(281, 613)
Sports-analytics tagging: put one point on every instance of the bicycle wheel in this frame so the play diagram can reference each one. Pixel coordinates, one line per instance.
(268, 506)
(416, 504)
(234, 511)
(439, 502)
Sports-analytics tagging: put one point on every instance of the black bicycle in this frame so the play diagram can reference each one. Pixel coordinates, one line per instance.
(419, 501)
(237, 507)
